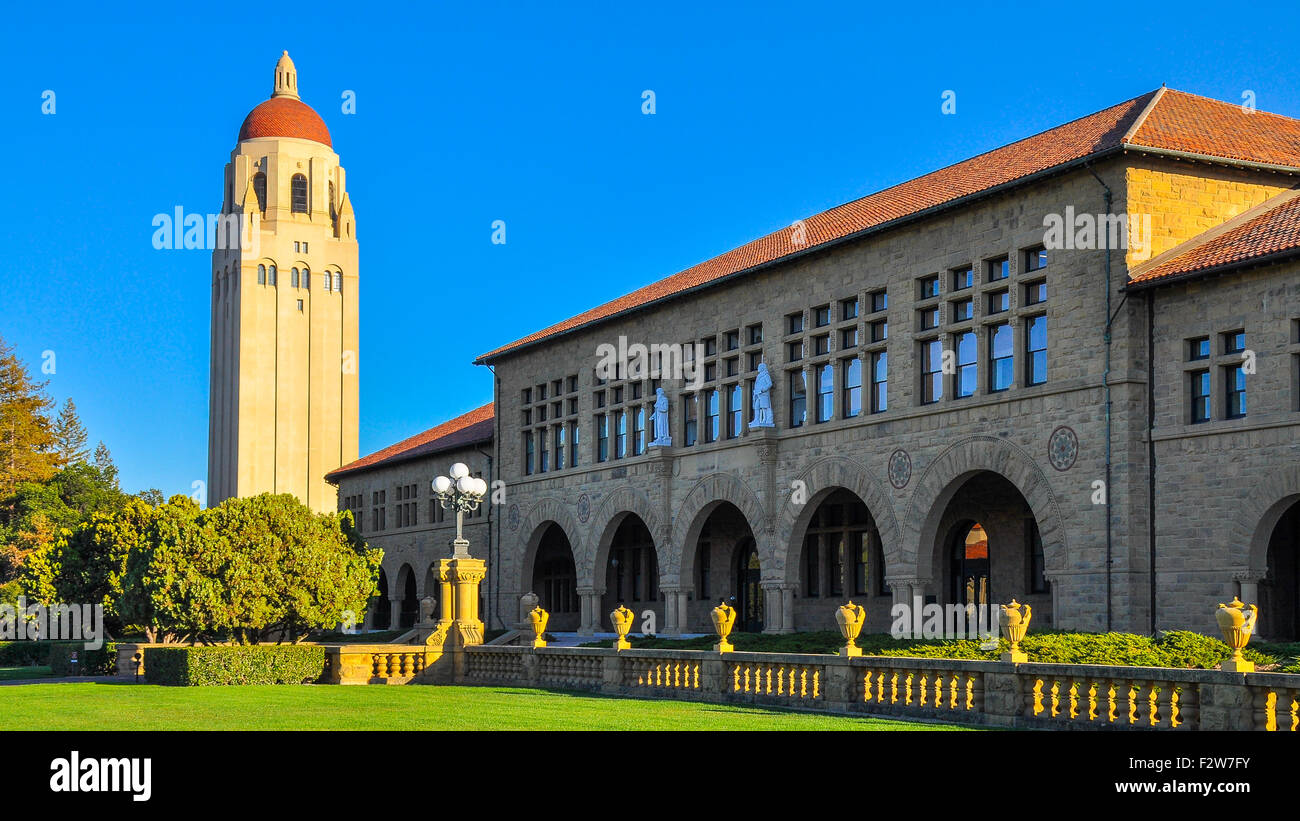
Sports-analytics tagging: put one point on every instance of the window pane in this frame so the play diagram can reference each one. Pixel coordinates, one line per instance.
(852, 387)
(1001, 356)
(825, 392)
(798, 399)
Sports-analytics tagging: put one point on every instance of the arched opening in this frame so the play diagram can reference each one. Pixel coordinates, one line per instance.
(715, 570)
(989, 550)
(380, 608)
(748, 586)
(842, 558)
(555, 579)
(631, 572)
(298, 194)
(410, 608)
(1279, 591)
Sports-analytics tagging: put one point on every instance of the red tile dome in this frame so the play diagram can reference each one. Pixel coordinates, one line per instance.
(284, 117)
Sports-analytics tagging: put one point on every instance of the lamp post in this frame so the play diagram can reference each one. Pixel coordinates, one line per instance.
(462, 493)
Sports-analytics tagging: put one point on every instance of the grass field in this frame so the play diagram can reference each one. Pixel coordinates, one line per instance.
(148, 707)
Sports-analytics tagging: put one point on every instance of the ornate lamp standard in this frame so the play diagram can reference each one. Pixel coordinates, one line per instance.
(462, 493)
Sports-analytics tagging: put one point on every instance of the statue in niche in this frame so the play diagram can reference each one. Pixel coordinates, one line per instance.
(663, 434)
(762, 399)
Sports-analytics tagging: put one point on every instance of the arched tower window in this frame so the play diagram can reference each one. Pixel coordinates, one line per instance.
(306, 277)
(298, 191)
(334, 213)
(259, 189)
(293, 278)
(261, 275)
(272, 272)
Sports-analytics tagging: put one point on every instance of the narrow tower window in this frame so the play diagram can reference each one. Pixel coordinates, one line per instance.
(298, 190)
(259, 189)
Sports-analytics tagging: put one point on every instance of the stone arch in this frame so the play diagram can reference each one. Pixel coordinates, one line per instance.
(702, 499)
(545, 512)
(823, 478)
(945, 475)
(1257, 516)
(614, 508)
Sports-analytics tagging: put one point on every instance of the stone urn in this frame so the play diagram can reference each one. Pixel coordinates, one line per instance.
(724, 618)
(1014, 622)
(1237, 621)
(622, 619)
(850, 617)
(526, 604)
(538, 618)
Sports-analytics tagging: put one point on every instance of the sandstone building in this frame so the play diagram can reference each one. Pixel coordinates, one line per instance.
(976, 397)
(283, 397)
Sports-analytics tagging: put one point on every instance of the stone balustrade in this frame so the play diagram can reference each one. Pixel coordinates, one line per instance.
(374, 663)
(991, 693)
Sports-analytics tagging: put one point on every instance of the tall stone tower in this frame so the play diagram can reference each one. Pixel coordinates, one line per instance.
(283, 401)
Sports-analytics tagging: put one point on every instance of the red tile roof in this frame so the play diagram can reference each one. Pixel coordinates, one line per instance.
(467, 429)
(284, 117)
(1268, 232)
(1174, 121)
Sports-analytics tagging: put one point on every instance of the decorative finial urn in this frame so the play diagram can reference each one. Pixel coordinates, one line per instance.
(1014, 621)
(538, 618)
(622, 619)
(724, 618)
(850, 617)
(1237, 621)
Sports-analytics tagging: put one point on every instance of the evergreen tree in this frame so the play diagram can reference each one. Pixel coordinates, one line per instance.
(26, 432)
(69, 436)
(104, 461)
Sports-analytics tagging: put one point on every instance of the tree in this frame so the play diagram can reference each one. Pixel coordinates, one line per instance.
(249, 570)
(69, 436)
(34, 515)
(26, 435)
(104, 461)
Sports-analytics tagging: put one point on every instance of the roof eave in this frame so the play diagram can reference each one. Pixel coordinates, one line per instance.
(1223, 268)
(333, 476)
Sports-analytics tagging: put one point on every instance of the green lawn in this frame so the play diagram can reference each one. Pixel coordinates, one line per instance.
(15, 673)
(414, 707)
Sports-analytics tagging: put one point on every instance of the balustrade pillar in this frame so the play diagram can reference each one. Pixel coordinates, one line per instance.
(589, 605)
(670, 625)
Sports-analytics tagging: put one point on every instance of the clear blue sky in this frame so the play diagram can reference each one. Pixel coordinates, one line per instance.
(528, 113)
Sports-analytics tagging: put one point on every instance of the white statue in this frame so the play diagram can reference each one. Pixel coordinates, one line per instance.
(762, 399)
(663, 434)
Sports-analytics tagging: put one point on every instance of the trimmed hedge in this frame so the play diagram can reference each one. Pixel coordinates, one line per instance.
(101, 662)
(33, 653)
(236, 664)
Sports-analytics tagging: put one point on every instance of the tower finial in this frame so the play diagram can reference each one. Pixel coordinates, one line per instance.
(286, 78)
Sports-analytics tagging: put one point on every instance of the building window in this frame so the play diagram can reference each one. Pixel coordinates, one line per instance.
(638, 431)
(755, 334)
(1001, 356)
(879, 301)
(929, 286)
(848, 338)
(602, 438)
(261, 275)
(543, 452)
(879, 382)
(306, 279)
(999, 301)
(963, 309)
(1036, 292)
(1035, 259)
(967, 358)
(998, 269)
(798, 399)
(1235, 391)
(1200, 392)
(794, 323)
(821, 344)
(1234, 342)
(929, 318)
(711, 416)
(732, 366)
(822, 316)
(293, 278)
(880, 330)
(259, 190)
(794, 351)
(1036, 351)
(527, 396)
(711, 346)
(825, 392)
(271, 274)
(848, 309)
(690, 425)
(559, 447)
(300, 306)
(735, 410)
(852, 387)
(1198, 348)
(620, 434)
(755, 359)
(298, 194)
(731, 340)
(931, 371)
(963, 278)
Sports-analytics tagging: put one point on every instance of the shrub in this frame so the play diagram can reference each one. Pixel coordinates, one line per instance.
(24, 653)
(101, 662)
(237, 664)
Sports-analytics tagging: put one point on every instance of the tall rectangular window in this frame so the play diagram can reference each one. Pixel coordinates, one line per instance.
(967, 358)
(998, 269)
(1035, 259)
(1200, 392)
(620, 434)
(602, 438)
(851, 380)
(559, 447)
(528, 452)
(542, 451)
(711, 416)
(735, 410)
(1036, 351)
(638, 431)
(798, 399)
(931, 371)
(689, 423)
(848, 309)
(879, 382)
(1235, 391)
(573, 444)
(825, 392)
(879, 301)
(1001, 356)
(928, 287)
(963, 278)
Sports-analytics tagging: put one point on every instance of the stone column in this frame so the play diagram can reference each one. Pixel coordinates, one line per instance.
(446, 606)
(787, 608)
(1249, 587)
(670, 627)
(394, 614)
(772, 620)
(683, 611)
(589, 604)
